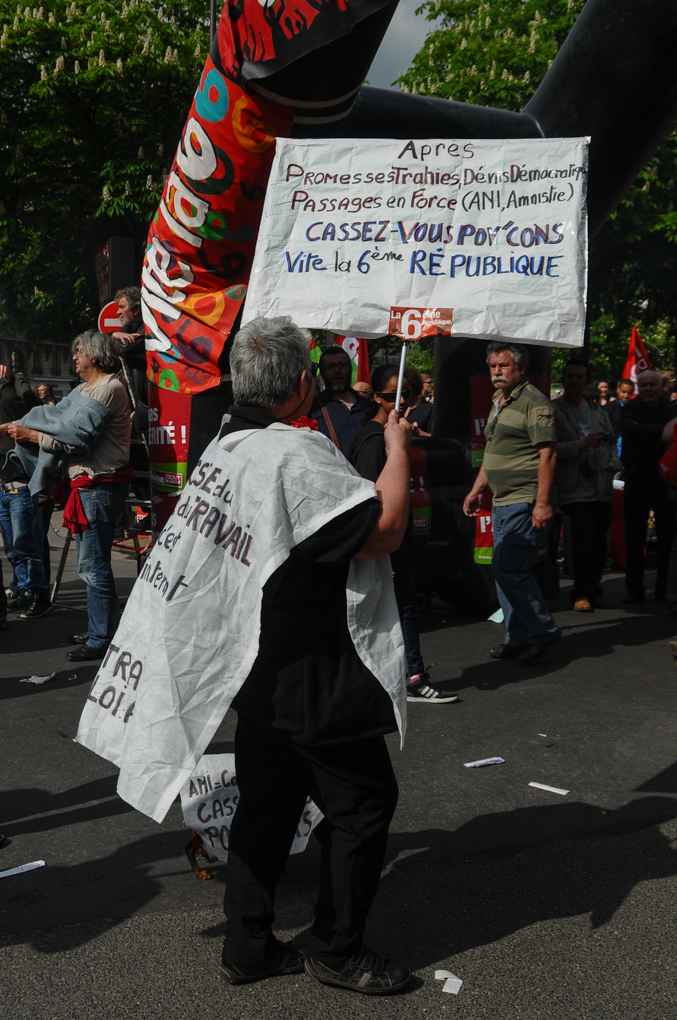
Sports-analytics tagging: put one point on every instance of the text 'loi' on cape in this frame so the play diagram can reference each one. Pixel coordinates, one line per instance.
(190, 632)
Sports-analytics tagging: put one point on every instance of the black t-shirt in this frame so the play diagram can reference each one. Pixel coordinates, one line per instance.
(421, 415)
(368, 452)
(642, 431)
(368, 457)
(308, 680)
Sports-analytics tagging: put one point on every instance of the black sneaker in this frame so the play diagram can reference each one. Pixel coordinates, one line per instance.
(533, 653)
(40, 606)
(85, 652)
(506, 652)
(419, 690)
(23, 600)
(366, 972)
(79, 639)
(284, 959)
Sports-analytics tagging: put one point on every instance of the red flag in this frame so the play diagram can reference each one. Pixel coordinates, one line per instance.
(637, 360)
(363, 371)
(356, 349)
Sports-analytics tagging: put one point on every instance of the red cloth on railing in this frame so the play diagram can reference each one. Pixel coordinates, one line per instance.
(74, 517)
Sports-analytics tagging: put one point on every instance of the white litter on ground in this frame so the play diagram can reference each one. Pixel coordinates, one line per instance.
(37, 679)
(483, 761)
(550, 789)
(496, 617)
(22, 867)
(452, 983)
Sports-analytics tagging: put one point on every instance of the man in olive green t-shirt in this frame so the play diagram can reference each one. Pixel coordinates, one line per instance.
(519, 464)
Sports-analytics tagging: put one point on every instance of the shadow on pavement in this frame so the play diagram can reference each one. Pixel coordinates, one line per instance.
(429, 909)
(110, 889)
(18, 807)
(49, 633)
(76, 674)
(437, 896)
(663, 782)
(592, 640)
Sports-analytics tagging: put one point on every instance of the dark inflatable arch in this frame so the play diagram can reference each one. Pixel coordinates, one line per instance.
(296, 67)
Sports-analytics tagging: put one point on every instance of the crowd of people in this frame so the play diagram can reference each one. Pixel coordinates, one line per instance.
(568, 457)
(627, 436)
(315, 704)
(560, 461)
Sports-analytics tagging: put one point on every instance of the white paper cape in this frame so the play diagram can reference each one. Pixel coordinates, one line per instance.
(189, 634)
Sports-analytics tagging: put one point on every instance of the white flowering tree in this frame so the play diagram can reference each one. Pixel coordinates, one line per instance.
(92, 102)
(493, 52)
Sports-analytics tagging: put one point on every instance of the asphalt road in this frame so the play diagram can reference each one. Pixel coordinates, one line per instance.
(545, 906)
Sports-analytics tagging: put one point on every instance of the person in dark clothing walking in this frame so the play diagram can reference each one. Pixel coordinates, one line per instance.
(584, 471)
(368, 457)
(311, 715)
(643, 421)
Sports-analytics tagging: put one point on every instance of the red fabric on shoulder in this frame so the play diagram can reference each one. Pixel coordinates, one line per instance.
(667, 465)
(74, 517)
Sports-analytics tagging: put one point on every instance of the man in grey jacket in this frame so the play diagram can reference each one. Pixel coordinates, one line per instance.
(586, 463)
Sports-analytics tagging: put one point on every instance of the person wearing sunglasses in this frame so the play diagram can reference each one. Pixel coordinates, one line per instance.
(368, 457)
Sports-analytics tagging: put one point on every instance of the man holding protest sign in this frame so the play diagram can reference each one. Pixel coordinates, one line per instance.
(270, 514)
(519, 465)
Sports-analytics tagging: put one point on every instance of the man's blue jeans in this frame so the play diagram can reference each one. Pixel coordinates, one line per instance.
(18, 516)
(515, 547)
(102, 505)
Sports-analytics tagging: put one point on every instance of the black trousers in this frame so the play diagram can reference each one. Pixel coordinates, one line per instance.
(355, 788)
(589, 525)
(639, 498)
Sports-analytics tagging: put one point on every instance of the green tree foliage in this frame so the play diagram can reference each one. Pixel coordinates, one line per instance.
(92, 101)
(422, 355)
(495, 53)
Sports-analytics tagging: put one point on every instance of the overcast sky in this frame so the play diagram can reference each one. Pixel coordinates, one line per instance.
(403, 39)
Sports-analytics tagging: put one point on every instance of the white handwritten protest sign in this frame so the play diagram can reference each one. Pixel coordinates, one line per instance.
(494, 229)
(209, 799)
